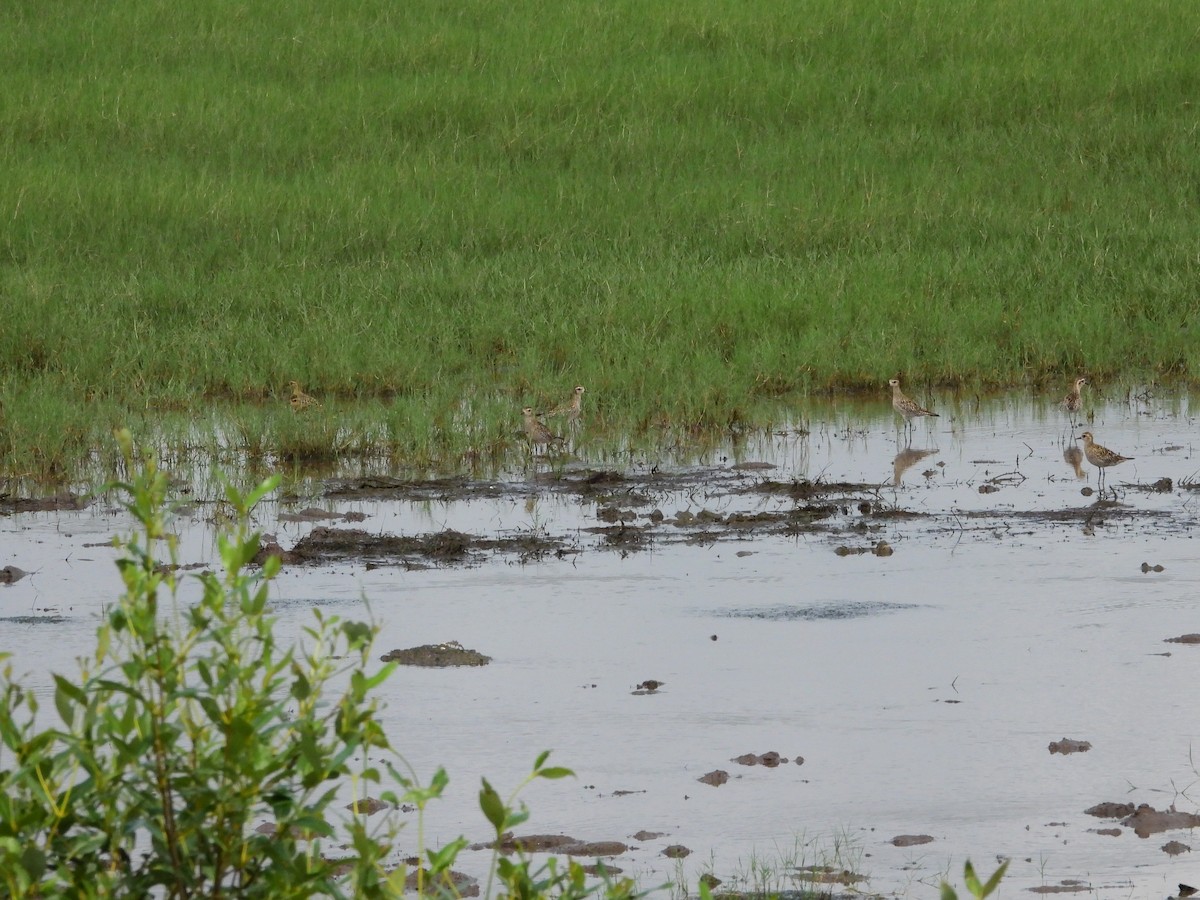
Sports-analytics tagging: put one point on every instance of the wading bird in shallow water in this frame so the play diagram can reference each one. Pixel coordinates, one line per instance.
(539, 435)
(572, 409)
(300, 400)
(907, 407)
(1100, 457)
(1073, 402)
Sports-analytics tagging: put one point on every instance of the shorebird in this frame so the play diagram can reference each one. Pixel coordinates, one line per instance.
(908, 408)
(539, 435)
(1100, 457)
(573, 408)
(1073, 402)
(300, 400)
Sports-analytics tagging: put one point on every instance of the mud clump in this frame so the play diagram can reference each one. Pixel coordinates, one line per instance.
(880, 548)
(557, 843)
(312, 514)
(59, 502)
(1183, 639)
(437, 656)
(676, 851)
(452, 883)
(1067, 745)
(1146, 820)
(447, 547)
(716, 778)
(911, 840)
(1174, 848)
(828, 875)
(367, 806)
(1110, 810)
(1069, 886)
(268, 546)
(770, 759)
(649, 686)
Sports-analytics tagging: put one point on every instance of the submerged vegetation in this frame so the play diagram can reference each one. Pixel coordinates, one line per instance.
(695, 211)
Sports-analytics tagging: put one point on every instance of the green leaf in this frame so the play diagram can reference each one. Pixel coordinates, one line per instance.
(972, 880)
(948, 893)
(994, 881)
(66, 695)
(444, 858)
(268, 485)
(555, 772)
(542, 757)
(381, 676)
(492, 806)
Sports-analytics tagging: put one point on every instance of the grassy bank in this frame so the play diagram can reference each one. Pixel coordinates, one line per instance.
(690, 209)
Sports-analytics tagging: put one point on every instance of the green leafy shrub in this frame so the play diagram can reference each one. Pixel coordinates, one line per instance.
(191, 725)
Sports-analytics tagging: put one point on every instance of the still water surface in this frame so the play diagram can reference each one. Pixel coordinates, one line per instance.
(921, 688)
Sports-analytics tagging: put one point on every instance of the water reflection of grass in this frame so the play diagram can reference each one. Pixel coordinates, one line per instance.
(690, 214)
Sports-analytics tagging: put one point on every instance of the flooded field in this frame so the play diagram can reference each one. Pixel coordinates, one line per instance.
(911, 622)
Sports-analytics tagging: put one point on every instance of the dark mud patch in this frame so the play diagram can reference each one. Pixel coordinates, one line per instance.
(805, 490)
(1146, 820)
(828, 875)
(770, 759)
(553, 843)
(52, 619)
(1183, 639)
(849, 609)
(368, 806)
(437, 656)
(312, 514)
(1068, 886)
(449, 547)
(1067, 745)
(1110, 810)
(911, 840)
(382, 487)
(649, 686)
(59, 502)
(447, 883)
(715, 778)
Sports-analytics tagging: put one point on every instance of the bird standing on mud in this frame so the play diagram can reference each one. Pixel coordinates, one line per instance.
(907, 407)
(539, 435)
(300, 400)
(1100, 457)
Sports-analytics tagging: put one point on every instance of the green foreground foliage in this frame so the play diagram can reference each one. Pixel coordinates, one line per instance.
(190, 726)
(692, 209)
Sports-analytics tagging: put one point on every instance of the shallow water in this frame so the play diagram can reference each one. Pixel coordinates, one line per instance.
(921, 688)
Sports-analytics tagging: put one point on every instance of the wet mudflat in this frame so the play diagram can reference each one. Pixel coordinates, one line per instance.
(928, 630)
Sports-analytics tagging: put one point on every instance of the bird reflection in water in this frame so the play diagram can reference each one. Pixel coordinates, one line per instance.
(1073, 457)
(905, 460)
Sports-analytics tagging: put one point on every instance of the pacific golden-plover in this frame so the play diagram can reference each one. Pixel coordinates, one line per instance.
(1100, 457)
(573, 408)
(907, 407)
(1073, 402)
(300, 400)
(539, 435)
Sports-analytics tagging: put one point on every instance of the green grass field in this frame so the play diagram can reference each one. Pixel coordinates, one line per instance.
(450, 210)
